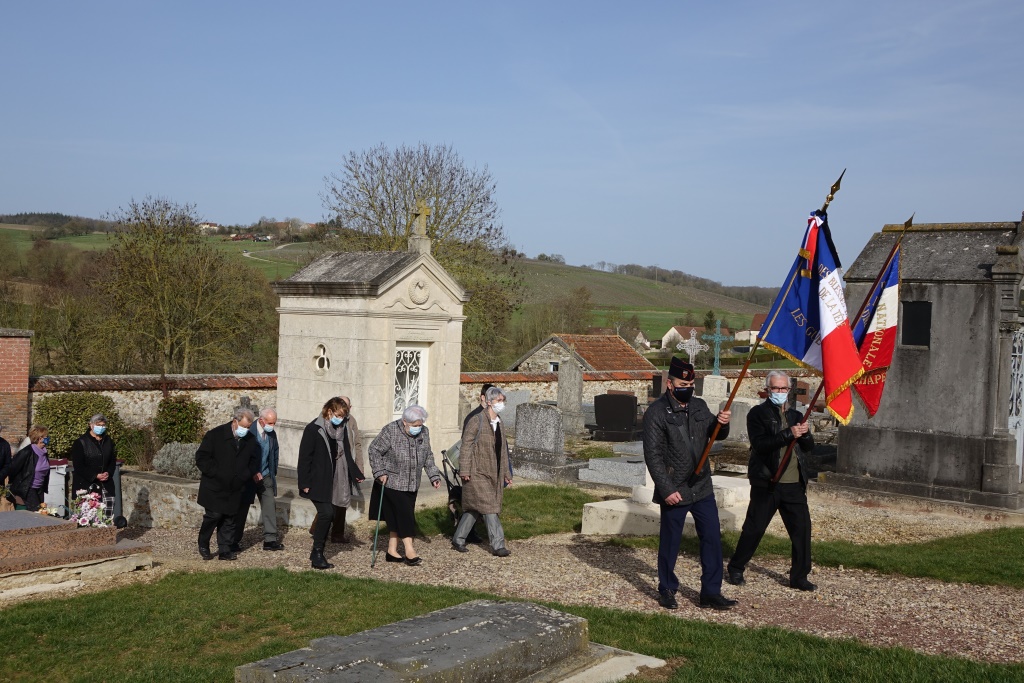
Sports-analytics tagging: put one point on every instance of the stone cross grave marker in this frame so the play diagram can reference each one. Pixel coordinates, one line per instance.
(718, 338)
(570, 395)
(692, 346)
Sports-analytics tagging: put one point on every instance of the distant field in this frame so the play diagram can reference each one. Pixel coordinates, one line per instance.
(657, 304)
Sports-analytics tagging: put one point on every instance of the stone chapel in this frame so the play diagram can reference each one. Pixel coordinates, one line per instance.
(383, 328)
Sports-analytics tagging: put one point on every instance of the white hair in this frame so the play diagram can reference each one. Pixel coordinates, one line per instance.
(414, 414)
(493, 393)
(776, 373)
(243, 414)
(265, 413)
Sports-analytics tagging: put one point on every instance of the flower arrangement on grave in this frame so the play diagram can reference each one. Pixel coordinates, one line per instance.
(48, 511)
(88, 509)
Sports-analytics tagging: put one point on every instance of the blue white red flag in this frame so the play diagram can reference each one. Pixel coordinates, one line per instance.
(808, 322)
(875, 334)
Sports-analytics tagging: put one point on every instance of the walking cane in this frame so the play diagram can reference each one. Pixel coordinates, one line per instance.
(380, 506)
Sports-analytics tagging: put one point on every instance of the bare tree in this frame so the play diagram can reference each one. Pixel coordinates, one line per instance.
(372, 201)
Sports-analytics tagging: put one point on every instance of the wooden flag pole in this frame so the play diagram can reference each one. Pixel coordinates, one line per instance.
(885, 266)
(728, 404)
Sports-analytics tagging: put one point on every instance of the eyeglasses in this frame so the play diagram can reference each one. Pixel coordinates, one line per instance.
(779, 390)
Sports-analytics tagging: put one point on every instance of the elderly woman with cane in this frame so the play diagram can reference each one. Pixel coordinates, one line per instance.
(397, 455)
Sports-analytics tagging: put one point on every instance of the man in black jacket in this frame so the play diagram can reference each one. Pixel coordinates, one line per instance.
(771, 428)
(228, 458)
(677, 428)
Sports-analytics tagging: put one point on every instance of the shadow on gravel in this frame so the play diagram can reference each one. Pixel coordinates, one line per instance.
(622, 562)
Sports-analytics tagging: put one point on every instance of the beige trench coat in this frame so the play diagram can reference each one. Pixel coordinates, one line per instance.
(484, 490)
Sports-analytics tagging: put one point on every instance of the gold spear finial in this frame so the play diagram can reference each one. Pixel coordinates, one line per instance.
(832, 192)
(910, 221)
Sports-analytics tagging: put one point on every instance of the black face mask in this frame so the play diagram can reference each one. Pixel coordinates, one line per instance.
(683, 394)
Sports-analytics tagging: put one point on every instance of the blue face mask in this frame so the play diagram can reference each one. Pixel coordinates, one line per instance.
(99, 429)
(335, 420)
(778, 398)
(241, 431)
(46, 441)
(414, 431)
(268, 428)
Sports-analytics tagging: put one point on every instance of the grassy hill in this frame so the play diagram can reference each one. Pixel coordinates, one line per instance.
(657, 304)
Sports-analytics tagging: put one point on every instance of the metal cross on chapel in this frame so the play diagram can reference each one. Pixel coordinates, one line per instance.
(692, 346)
(718, 338)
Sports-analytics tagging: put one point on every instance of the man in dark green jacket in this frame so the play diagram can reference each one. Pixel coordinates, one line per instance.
(771, 428)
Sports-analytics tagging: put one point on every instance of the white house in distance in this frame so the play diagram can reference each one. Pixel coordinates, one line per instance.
(678, 333)
(750, 336)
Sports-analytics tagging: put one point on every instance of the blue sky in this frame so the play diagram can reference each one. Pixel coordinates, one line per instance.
(690, 135)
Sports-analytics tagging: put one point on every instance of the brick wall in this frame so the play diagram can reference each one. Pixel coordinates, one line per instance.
(14, 362)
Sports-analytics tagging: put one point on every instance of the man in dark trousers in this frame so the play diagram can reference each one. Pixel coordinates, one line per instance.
(771, 428)
(228, 458)
(677, 428)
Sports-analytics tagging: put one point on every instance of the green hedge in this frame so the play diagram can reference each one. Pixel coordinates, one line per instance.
(179, 419)
(66, 416)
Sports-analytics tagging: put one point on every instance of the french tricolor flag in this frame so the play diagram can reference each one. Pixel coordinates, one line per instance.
(808, 322)
(875, 334)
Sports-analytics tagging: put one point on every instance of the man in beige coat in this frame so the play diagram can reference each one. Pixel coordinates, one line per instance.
(483, 466)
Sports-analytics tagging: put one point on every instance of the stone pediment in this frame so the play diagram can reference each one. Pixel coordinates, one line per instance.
(371, 274)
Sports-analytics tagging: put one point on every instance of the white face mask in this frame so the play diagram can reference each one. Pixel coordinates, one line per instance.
(498, 407)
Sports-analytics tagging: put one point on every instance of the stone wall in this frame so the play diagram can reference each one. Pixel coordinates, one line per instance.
(543, 386)
(136, 396)
(542, 358)
(754, 381)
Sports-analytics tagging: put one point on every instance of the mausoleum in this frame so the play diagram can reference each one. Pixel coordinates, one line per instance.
(383, 328)
(950, 421)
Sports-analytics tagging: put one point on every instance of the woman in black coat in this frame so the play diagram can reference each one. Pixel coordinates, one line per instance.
(93, 456)
(318, 455)
(30, 471)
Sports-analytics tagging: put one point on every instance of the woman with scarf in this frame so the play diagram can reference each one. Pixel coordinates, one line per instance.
(325, 470)
(30, 471)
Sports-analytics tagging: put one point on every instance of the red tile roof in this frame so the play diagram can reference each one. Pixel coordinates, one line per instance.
(512, 376)
(605, 352)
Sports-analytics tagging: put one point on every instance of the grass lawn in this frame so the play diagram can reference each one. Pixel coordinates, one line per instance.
(993, 557)
(198, 627)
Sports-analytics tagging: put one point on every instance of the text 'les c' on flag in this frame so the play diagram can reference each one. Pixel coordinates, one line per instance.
(875, 334)
(808, 322)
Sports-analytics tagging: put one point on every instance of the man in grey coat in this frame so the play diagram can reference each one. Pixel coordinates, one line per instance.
(266, 480)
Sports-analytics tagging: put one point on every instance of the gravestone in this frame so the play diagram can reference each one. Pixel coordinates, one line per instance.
(539, 451)
(692, 346)
(478, 641)
(570, 396)
(714, 389)
(513, 399)
(718, 338)
(615, 416)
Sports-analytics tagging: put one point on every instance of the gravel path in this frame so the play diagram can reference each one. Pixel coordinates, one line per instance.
(978, 622)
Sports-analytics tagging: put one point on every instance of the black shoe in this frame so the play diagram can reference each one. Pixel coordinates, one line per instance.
(460, 547)
(734, 577)
(235, 548)
(719, 602)
(667, 599)
(414, 562)
(205, 553)
(502, 552)
(393, 558)
(228, 556)
(317, 559)
(273, 545)
(802, 585)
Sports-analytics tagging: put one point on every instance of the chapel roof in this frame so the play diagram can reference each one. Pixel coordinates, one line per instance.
(353, 273)
(936, 252)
